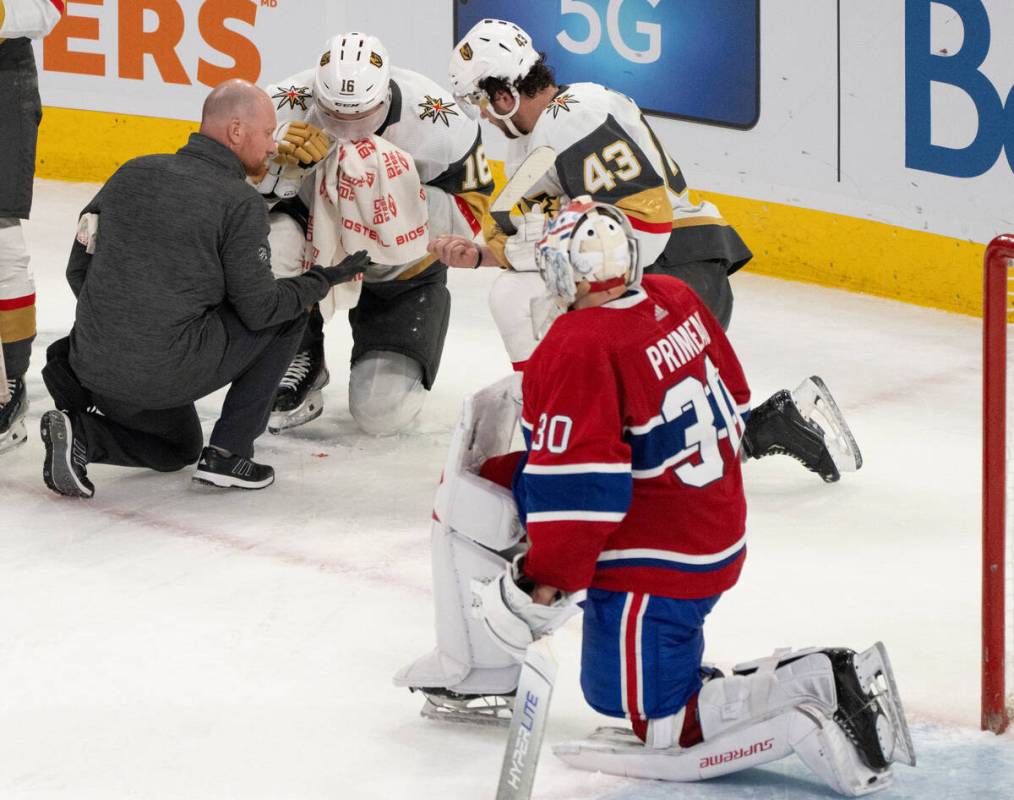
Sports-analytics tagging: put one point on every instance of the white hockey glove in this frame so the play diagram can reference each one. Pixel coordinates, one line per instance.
(302, 145)
(510, 616)
(520, 248)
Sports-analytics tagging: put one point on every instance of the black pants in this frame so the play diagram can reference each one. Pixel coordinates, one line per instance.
(709, 279)
(168, 439)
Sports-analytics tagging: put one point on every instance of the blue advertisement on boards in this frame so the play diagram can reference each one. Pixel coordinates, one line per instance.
(692, 59)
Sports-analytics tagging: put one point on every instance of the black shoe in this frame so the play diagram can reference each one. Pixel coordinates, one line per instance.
(12, 416)
(777, 427)
(64, 468)
(298, 399)
(859, 714)
(216, 469)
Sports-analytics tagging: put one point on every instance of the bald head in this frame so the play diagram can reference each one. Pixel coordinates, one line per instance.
(241, 116)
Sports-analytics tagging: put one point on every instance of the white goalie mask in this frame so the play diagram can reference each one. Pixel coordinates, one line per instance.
(351, 87)
(494, 48)
(587, 242)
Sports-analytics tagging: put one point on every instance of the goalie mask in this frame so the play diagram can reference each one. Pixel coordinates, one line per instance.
(587, 243)
(351, 87)
(494, 48)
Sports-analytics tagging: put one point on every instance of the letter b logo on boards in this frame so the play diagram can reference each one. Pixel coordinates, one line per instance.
(923, 68)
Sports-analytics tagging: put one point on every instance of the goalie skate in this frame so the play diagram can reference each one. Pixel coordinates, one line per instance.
(471, 709)
(815, 404)
(869, 707)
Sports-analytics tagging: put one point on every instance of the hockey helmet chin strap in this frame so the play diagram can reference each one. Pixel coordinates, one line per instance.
(506, 117)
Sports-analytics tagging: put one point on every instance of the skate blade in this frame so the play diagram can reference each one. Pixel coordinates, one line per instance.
(311, 408)
(15, 436)
(814, 401)
(873, 668)
(494, 715)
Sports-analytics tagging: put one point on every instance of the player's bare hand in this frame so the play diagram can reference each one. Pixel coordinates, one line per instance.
(544, 595)
(455, 251)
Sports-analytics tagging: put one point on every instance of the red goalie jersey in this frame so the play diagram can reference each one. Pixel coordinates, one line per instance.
(633, 420)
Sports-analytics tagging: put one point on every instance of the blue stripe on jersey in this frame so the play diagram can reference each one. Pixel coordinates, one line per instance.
(583, 491)
(658, 563)
(653, 448)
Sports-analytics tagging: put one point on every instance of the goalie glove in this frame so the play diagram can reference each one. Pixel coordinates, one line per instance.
(520, 248)
(510, 616)
(302, 145)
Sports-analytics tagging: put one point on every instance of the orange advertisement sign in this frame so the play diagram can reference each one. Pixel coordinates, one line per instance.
(161, 57)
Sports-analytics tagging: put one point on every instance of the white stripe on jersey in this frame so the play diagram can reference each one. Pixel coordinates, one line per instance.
(671, 555)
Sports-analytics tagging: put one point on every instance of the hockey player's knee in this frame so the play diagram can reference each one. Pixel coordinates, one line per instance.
(510, 304)
(386, 392)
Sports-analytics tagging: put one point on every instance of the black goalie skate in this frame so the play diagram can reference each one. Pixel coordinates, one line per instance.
(786, 424)
(12, 416)
(299, 398)
(869, 709)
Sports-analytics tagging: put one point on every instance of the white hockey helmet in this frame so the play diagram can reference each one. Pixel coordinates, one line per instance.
(494, 48)
(587, 242)
(351, 87)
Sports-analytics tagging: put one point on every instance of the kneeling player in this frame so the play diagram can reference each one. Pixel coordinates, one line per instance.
(631, 489)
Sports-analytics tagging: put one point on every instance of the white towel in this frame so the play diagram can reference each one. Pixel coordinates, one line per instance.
(368, 197)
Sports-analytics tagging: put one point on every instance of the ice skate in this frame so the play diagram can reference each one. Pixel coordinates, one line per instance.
(64, 468)
(12, 416)
(806, 425)
(869, 707)
(475, 709)
(815, 403)
(299, 399)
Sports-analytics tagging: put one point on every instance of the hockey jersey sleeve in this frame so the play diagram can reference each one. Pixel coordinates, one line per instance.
(576, 486)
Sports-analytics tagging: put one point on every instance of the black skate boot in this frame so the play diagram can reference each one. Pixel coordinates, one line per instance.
(869, 710)
(12, 416)
(214, 468)
(299, 399)
(777, 427)
(66, 457)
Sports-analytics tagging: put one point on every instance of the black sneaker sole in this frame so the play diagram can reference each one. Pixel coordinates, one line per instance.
(57, 471)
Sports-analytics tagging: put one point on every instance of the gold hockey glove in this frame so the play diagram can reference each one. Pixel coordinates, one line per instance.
(303, 145)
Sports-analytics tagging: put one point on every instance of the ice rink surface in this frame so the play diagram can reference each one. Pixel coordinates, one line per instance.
(166, 641)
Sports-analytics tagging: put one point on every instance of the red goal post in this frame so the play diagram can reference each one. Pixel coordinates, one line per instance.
(997, 541)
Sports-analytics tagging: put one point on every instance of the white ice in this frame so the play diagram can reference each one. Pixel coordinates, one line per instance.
(161, 641)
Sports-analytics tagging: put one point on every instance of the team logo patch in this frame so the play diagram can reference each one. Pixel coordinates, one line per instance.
(292, 97)
(436, 109)
(561, 103)
(376, 60)
(325, 59)
(466, 51)
(264, 254)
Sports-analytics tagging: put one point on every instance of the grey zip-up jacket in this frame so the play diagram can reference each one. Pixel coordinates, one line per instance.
(180, 237)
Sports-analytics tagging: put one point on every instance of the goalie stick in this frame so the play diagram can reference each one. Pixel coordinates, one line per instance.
(528, 722)
(535, 165)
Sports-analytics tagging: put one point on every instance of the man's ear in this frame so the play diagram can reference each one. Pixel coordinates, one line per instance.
(235, 130)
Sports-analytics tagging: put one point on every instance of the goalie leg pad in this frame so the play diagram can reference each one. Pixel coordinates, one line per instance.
(475, 533)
